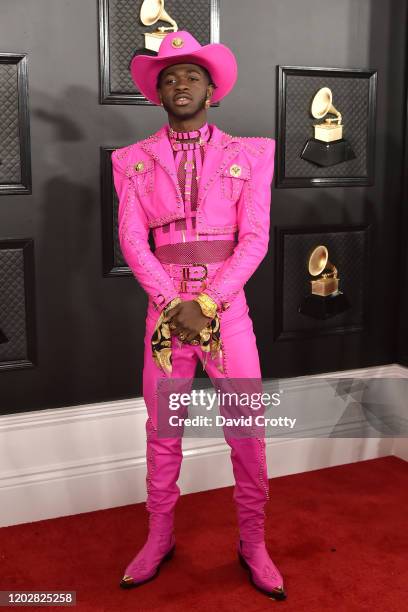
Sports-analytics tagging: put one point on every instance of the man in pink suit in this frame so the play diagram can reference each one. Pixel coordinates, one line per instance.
(205, 195)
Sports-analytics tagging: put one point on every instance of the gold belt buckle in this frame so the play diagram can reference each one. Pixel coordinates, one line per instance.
(184, 287)
(187, 277)
(186, 272)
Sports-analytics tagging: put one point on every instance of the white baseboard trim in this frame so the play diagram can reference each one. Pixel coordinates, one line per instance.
(70, 460)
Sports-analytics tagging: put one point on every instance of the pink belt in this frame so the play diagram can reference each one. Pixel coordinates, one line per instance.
(192, 278)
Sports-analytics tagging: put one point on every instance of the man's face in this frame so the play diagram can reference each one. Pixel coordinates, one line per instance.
(183, 89)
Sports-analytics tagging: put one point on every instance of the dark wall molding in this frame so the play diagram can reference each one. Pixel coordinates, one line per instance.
(18, 312)
(107, 49)
(402, 342)
(350, 247)
(17, 95)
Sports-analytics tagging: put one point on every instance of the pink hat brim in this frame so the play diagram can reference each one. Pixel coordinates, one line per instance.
(216, 58)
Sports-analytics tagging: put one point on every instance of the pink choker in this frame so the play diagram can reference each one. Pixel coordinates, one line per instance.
(176, 138)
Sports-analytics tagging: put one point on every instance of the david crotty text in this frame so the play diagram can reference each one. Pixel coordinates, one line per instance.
(219, 421)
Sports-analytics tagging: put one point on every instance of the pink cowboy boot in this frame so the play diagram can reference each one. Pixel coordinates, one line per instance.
(164, 456)
(250, 494)
(146, 565)
(263, 573)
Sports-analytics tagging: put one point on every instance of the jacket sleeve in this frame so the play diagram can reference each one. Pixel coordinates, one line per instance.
(133, 229)
(253, 212)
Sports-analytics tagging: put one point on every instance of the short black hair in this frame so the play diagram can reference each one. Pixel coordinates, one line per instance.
(210, 81)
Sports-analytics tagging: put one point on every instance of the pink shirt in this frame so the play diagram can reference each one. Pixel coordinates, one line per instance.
(189, 161)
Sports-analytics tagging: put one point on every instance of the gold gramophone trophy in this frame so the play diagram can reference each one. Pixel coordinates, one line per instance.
(325, 299)
(328, 147)
(151, 12)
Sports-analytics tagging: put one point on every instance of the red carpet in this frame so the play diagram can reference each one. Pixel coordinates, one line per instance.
(339, 536)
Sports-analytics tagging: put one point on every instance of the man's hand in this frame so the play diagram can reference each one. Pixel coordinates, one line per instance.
(187, 318)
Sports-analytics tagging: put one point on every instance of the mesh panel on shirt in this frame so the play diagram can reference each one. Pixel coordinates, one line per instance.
(180, 224)
(208, 251)
(181, 173)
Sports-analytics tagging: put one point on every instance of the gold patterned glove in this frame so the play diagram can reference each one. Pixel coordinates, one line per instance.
(210, 340)
(161, 338)
(207, 305)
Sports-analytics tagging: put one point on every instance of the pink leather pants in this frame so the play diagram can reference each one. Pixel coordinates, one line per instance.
(164, 455)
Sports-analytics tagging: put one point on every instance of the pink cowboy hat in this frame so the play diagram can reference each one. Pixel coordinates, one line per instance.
(179, 48)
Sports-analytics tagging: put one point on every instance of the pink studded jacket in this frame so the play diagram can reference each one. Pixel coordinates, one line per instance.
(234, 196)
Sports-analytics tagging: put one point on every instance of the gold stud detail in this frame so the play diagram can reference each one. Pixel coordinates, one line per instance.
(177, 43)
(139, 166)
(235, 170)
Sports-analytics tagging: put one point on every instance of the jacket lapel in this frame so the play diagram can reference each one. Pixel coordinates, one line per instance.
(158, 146)
(216, 159)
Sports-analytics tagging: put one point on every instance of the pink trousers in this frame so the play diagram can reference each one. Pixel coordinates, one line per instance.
(164, 455)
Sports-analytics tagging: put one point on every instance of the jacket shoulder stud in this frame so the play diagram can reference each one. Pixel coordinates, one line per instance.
(139, 166)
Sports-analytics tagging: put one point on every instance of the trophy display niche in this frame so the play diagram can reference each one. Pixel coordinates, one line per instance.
(3, 337)
(328, 147)
(325, 299)
(151, 12)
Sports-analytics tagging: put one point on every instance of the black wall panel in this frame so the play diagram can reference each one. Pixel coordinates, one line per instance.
(89, 323)
(403, 259)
